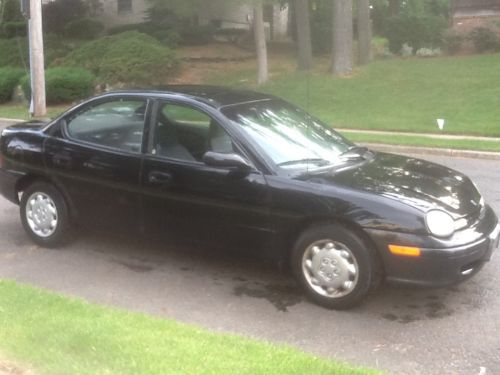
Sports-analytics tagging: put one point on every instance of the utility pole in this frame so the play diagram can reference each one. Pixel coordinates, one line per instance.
(37, 64)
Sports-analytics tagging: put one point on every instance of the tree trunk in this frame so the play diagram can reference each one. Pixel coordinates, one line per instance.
(394, 7)
(342, 37)
(364, 32)
(304, 47)
(260, 43)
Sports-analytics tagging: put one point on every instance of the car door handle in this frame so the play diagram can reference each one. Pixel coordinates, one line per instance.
(61, 160)
(160, 178)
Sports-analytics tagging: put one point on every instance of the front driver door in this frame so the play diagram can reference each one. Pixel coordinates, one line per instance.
(182, 194)
(96, 159)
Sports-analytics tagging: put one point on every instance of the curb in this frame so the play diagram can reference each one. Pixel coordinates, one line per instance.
(12, 120)
(423, 135)
(433, 151)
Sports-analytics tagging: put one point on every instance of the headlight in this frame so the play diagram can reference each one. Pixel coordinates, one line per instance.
(440, 223)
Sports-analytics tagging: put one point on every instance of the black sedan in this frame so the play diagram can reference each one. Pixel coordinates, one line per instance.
(250, 171)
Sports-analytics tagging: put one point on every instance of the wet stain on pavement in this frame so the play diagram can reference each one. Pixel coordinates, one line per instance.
(415, 312)
(281, 296)
(140, 268)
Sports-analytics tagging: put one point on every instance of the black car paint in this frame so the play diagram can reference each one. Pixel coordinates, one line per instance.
(383, 196)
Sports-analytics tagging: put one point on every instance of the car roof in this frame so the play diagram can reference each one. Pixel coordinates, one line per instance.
(215, 96)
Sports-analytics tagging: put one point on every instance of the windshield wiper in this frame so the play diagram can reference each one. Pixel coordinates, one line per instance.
(355, 151)
(317, 161)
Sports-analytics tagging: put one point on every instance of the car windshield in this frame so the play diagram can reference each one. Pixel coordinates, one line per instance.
(288, 135)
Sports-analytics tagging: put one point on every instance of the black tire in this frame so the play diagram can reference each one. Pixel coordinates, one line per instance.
(59, 233)
(361, 257)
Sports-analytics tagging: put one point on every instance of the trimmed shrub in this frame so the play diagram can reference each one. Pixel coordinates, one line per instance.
(64, 85)
(167, 36)
(484, 40)
(84, 28)
(130, 57)
(9, 79)
(14, 28)
(417, 31)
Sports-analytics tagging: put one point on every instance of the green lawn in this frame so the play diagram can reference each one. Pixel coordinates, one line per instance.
(395, 94)
(18, 111)
(51, 334)
(409, 140)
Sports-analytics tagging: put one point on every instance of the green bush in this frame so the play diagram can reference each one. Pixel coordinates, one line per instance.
(9, 79)
(57, 14)
(484, 40)
(64, 85)
(12, 29)
(14, 52)
(10, 11)
(191, 35)
(167, 36)
(84, 28)
(417, 31)
(453, 42)
(131, 57)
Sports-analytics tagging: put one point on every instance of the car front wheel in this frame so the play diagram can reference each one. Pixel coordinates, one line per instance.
(44, 215)
(334, 266)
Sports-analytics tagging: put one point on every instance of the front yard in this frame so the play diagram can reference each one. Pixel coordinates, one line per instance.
(45, 333)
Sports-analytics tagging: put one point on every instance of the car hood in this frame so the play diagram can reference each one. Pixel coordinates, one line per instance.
(28, 125)
(416, 182)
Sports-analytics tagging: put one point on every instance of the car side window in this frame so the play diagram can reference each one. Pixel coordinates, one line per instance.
(117, 123)
(186, 133)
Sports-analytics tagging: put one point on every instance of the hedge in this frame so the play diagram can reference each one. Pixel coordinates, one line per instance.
(85, 28)
(9, 79)
(131, 57)
(64, 85)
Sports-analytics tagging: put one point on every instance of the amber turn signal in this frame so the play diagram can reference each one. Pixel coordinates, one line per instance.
(404, 251)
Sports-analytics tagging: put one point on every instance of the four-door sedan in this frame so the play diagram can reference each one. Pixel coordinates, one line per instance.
(251, 171)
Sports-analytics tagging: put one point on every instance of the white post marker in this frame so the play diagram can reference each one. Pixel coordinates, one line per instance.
(440, 122)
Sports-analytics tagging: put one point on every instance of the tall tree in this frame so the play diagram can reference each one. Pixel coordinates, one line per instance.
(304, 46)
(260, 42)
(364, 32)
(342, 37)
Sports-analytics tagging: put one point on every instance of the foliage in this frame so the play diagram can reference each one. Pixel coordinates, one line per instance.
(453, 42)
(321, 26)
(57, 14)
(84, 28)
(381, 12)
(485, 39)
(12, 29)
(10, 11)
(14, 52)
(64, 85)
(166, 35)
(9, 79)
(428, 52)
(129, 57)
(416, 31)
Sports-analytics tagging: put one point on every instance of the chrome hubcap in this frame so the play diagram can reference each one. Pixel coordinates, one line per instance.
(41, 214)
(330, 268)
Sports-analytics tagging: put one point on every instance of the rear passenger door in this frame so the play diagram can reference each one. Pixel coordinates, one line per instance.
(96, 158)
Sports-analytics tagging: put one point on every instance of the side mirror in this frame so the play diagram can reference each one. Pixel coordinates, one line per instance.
(220, 160)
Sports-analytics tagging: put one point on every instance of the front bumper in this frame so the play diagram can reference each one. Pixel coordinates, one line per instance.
(437, 267)
(8, 182)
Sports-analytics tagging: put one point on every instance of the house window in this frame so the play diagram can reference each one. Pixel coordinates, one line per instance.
(124, 6)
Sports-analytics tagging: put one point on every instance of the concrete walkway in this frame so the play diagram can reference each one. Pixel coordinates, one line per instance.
(425, 135)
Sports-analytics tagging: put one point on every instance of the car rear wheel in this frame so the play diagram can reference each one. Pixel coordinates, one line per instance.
(334, 266)
(44, 215)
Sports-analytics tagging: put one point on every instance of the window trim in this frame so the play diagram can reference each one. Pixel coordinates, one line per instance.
(126, 11)
(152, 124)
(147, 116)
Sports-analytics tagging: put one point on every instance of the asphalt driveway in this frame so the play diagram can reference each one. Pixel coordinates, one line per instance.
(405, 331)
